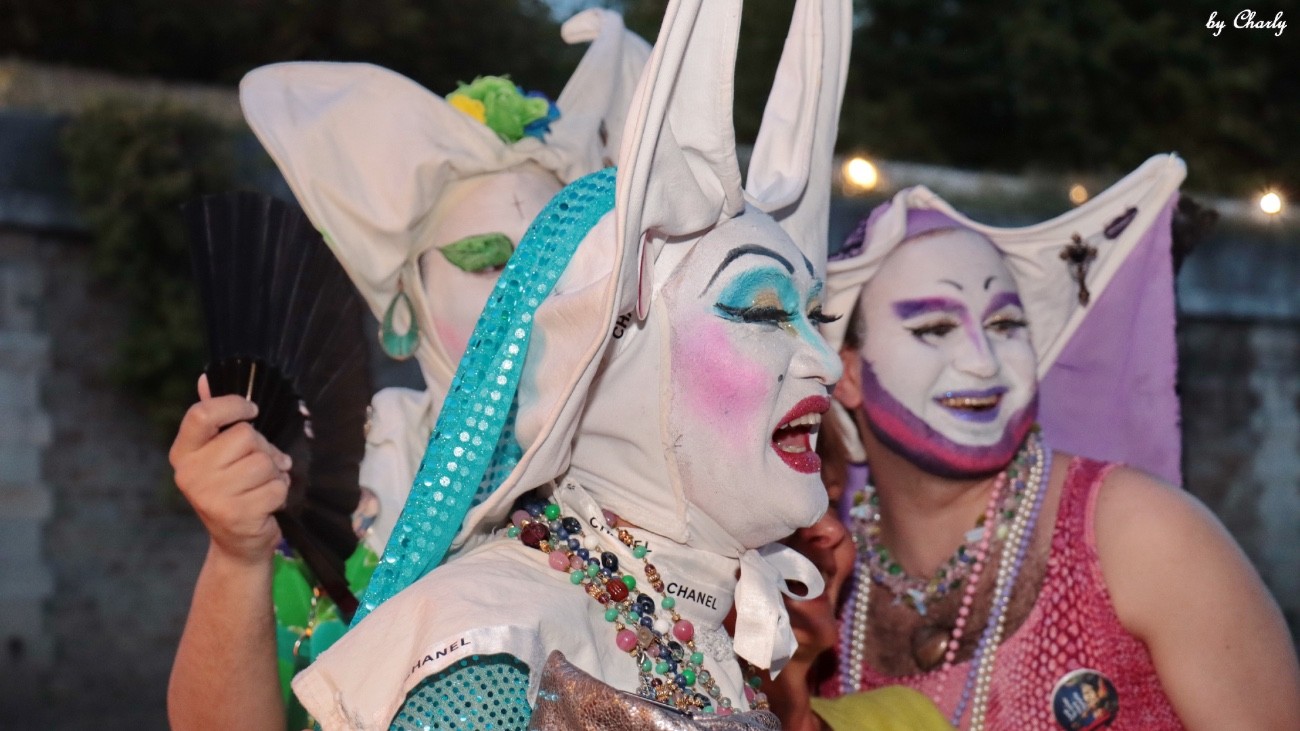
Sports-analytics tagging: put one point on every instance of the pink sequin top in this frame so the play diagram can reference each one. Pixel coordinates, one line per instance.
(1071, 627)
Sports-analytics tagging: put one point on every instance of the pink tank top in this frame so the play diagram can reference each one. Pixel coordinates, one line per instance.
(1072, 638)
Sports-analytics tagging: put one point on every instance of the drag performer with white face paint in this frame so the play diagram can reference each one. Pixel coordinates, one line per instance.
(628, 429)
(422, 200)
(1015, 584)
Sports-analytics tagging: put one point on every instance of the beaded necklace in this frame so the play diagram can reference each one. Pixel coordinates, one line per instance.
(919, 591)
(1028, 474)
(670, 666)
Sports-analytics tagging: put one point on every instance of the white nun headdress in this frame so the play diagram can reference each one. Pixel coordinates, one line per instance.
(579, 268)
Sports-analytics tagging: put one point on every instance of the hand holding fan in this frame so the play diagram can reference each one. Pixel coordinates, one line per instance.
(284, 328)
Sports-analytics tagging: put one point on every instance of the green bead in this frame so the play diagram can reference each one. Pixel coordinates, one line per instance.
(512, 531)
(629, 581)
(639, 551)
(689, 675)
(646, 665)
(592, 569)
(697, 658)
(668, 602)
(611, 614)
(552, 511)
(634, 617)
(754, 681)
(576, 577)
(661, 667)
(895, 569)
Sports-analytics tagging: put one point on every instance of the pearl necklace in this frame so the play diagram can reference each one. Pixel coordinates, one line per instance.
(853, 633)
(660, 646)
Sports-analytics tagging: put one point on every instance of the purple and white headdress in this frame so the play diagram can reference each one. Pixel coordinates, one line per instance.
(1097, 288)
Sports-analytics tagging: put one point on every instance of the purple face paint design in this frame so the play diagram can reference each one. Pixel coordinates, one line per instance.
(903, 432)
(951, 375)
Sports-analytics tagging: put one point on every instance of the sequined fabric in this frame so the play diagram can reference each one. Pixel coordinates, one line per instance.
(1072, 626)
(488, 693)
(473, 448)
(571, 700)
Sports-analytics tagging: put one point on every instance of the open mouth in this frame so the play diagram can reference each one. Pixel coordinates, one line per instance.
(980, 406)
(792, 440)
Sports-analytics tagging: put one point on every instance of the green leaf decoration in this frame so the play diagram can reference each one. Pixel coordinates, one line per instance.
(479, 253)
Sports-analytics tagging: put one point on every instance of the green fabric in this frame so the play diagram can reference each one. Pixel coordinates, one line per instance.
(305, 628)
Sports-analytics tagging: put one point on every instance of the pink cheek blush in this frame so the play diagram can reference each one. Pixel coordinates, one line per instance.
(720, 387)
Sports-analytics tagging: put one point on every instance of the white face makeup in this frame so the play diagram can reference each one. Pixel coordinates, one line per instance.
(749, 378)
(497, 203)
(949, 371)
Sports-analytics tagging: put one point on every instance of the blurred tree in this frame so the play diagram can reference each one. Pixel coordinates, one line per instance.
(1062, 84)
(436, 42)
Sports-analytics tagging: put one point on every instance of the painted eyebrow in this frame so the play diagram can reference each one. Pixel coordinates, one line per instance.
(1002, 300)
(949, 281)
(906, 309)
(740, 251)
(989, 281)
(812, 273)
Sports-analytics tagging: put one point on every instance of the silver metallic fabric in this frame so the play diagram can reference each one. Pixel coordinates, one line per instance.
(571, 700)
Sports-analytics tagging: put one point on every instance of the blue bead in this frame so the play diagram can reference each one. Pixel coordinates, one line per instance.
(647, 621)
(576, 546)
(680, 680)
(644, 604)
(609, 561)
(583, 553)
(571, 524)
(562, 534)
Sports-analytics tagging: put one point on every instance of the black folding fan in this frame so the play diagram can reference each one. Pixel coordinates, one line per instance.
(285, 331)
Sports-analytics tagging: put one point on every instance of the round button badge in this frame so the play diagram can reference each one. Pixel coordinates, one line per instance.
(1084, 700)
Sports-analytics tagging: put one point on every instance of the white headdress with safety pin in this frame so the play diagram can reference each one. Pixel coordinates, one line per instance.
(679, 177)
(547, 328)
(1097, 288)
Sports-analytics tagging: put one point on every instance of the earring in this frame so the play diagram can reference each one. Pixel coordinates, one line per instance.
(399, 346)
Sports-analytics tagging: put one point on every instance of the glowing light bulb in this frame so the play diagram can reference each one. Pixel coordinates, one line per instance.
(1271, 203)
(1078, 194)
(861, 174)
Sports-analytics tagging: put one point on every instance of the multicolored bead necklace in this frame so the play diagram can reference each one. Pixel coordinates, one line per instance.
(919, 591)
(669, 664)
(1028, 475)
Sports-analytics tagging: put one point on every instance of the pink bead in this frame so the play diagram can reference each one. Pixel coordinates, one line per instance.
(749, 693)
(576, 563)
(626, 640)
(724, 711)
(950, 656)
(559, 561)
(683, 630)
(518, 517)
(964, 612)
(967, 600)
(956, 633)
(611, 518)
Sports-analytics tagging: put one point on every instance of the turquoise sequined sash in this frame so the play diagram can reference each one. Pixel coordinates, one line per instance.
(473, 448)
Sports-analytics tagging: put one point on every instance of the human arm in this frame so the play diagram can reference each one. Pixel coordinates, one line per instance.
(225, 672)
(1180, 584)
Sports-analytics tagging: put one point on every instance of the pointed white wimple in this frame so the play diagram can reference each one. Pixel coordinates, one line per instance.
(790, 170)
(1032, 253)
(368, 153)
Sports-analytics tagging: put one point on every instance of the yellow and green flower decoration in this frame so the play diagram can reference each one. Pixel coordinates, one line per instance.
(505, 108)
